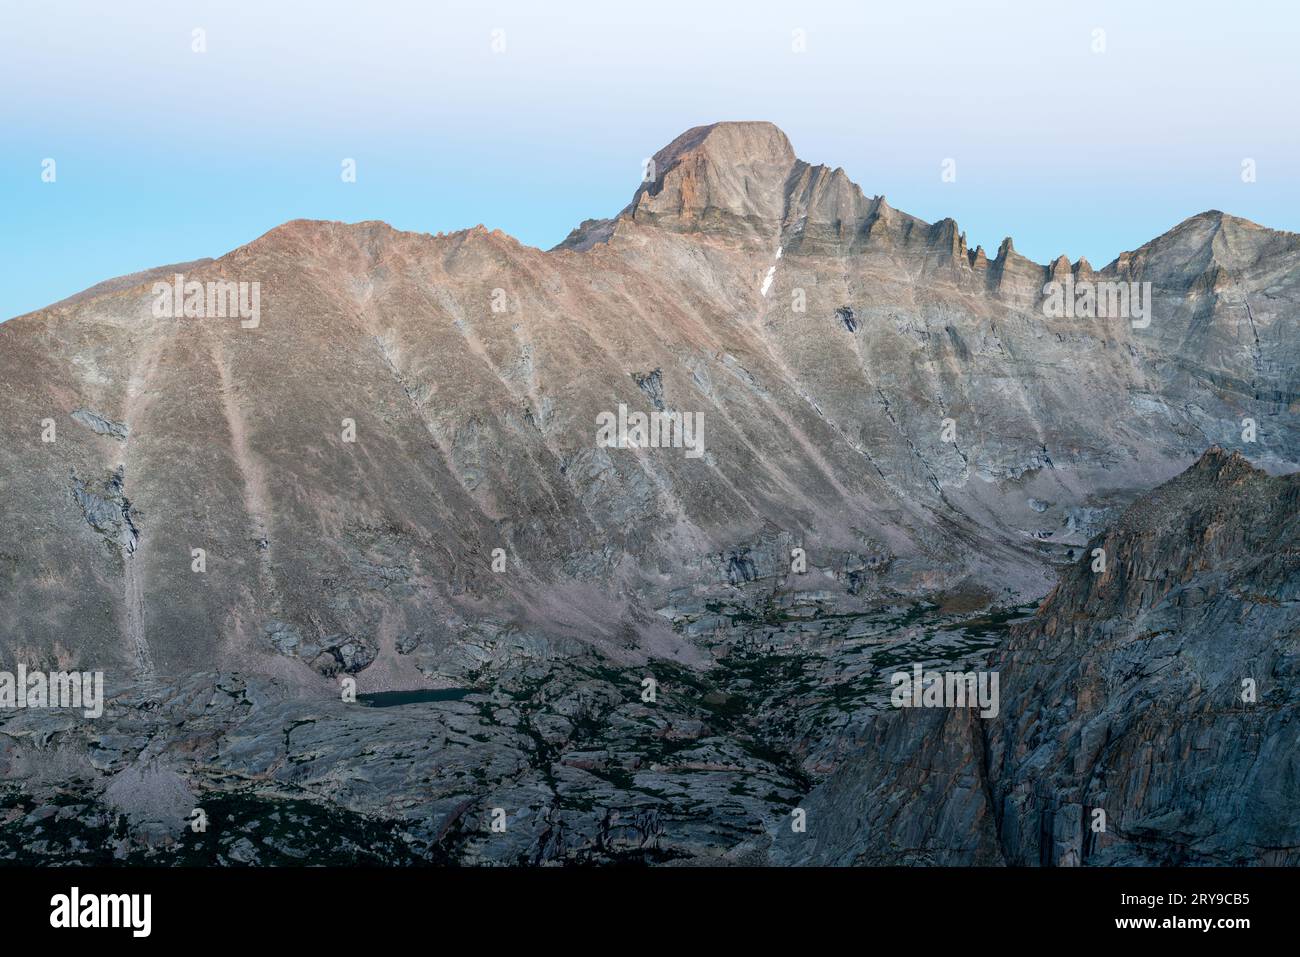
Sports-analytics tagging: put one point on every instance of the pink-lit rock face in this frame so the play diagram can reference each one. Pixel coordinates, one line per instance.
(759, 437)
(914, 433)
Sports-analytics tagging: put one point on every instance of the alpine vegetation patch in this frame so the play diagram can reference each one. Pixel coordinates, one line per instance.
(53, 689)
(74, 910)
(214, 299)
(654, 430)
(946, 689)
(1099, 299)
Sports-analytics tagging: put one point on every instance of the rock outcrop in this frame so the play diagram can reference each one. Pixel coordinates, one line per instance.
(1150, 710)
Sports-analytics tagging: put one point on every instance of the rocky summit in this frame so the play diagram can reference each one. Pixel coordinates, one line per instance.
(676, 543)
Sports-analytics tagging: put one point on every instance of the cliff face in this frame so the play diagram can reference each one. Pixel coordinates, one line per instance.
(870, 390)
(1164, 690)
(1150, 711)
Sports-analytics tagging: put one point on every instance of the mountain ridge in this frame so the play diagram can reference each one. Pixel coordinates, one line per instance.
(475, 367)
(698, 145)
(153, 274)
(396, 477)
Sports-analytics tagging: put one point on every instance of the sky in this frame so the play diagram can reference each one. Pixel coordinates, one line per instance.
(1083, 129)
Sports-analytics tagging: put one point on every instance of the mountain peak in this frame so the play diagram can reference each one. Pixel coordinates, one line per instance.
(1211, 244)
(726, 175)
(731, 142)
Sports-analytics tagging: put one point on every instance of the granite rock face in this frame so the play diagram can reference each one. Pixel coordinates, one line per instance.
(388, 473)
(1150, 711)
(404, 405)
(1163, 691)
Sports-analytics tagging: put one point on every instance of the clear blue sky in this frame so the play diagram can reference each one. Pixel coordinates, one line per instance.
(164, 154)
